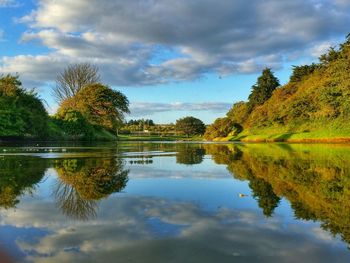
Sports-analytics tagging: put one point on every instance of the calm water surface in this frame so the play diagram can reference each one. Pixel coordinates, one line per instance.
(175, 202)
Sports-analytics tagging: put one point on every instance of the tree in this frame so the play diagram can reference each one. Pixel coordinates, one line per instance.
(10, 86)
(238, 112)
(22, 113)
(73, 123)
(220, 128)
(73, 79)
(190, 126)
(263, 89)
(332, 55)
(100, 105)
(299, 72)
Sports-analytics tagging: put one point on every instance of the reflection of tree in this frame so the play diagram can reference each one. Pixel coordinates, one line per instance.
(303, 212)
(19, 174)
(315, 179)
(263, 192)
(85, 181)
(224, 154)
(189, 154)
(72, 204)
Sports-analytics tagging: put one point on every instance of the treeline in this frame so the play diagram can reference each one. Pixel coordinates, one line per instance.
(140, 122)
(187, 126)
(313, 104)
(88, 109)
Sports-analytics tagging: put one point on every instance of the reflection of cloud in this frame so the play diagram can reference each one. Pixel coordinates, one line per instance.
(150, 172)
(123, 233)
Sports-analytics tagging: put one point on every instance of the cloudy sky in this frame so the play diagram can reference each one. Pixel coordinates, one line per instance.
(171, 58)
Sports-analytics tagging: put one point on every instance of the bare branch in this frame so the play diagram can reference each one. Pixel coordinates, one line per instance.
(73, 79)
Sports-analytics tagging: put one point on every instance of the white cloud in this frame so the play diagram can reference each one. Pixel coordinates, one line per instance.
(8, 3)
(320, 49)
(147, 108)
(126, 39)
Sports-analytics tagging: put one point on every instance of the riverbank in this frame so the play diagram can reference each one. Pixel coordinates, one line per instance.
(324, 136)
(102, 139)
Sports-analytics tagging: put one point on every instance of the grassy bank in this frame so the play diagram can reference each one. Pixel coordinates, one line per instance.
(282, 134)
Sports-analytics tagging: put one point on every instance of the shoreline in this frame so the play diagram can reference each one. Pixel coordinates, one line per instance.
(339, 140)
(345, 140)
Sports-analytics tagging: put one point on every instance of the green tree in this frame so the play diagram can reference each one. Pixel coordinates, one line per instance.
(100, 105)
(238, 112)
(220, 128)
(73, 123)
(332, 55)
(21, 112)
(190, 126)
(263, 89)
(299, 72)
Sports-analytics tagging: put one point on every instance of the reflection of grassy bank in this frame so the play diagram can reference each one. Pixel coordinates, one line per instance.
(314, 178)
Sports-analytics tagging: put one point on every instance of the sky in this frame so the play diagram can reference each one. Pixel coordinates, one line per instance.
(170, 58)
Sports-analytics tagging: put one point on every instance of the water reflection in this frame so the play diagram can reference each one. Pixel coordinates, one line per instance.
(19, 175)
(82, 182)
(189, 154)
(125, 233)
(314, 178)
(165, 218)
(264, 194)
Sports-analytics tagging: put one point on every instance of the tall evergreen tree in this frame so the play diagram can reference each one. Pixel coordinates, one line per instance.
(263, 89)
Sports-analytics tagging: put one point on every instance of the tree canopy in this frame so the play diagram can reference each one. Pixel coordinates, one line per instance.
(22, 113)
(190, 126)
(100, 105)
(263, 89)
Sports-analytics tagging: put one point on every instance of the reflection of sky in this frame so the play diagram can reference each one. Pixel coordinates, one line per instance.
(169, 163)
(210, 194)
(145, 229)
(168, 212)
(10, 235)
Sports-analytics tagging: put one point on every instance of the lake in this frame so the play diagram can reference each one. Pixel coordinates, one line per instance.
(175, 202)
